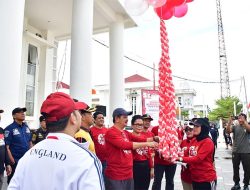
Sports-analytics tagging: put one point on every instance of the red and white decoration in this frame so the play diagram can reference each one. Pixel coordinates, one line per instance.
(165, 9)
(169, 144)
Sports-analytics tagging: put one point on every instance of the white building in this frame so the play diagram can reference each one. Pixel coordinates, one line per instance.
(29, 35)
(133, 98)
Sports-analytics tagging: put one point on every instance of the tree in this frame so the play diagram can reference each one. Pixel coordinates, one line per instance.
(185, 114)
(225, 108)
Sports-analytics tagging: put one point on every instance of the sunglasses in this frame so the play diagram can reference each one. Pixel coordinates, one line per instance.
(188, 130)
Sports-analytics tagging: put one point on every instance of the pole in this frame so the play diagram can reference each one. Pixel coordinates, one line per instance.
(234, 109)
(179, 111)
(245, 97)
(153, 76)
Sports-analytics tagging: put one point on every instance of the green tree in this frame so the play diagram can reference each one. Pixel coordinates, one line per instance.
(225, 108)
(184, 113)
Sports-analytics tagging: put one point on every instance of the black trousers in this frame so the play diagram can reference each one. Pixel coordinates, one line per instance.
(244, 158)
(204, 185)
(141, 172)
(111, 184)
(169, 171)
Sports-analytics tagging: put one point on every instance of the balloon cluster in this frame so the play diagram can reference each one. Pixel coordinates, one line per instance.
(177, 8)
(165, 9)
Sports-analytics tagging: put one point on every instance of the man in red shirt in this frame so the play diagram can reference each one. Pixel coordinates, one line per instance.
(98, 132)
(119, 146)
(147, 122)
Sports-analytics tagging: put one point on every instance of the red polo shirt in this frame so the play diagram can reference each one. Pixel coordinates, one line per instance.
(185, 172)
(201, 161)
(98, 137)
(119, 147)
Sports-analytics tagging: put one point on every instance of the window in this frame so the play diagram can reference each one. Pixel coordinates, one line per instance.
(31, 79)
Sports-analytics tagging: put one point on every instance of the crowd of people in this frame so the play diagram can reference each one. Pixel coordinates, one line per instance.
(73, 149)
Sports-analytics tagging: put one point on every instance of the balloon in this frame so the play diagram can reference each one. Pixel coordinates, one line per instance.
(175, 2)
(181, 10)
(165, 12)
(189, 1)
(136, 7)
(156, 3)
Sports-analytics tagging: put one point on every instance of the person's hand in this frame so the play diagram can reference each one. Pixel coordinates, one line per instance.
(179, 159)
(153, 144)
(156, 139)
(8, 170)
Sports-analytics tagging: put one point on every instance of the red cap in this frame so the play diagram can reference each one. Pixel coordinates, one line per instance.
(57, 105)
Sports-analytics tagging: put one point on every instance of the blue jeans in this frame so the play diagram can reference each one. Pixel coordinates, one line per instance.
(169, 175)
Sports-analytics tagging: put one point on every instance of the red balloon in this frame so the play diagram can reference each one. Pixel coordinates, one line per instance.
(165, 12)
(175, 2)
(181, 10)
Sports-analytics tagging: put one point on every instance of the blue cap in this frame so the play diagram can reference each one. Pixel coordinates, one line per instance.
(121, 111)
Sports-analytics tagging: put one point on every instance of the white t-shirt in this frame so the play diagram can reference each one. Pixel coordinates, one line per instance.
(58, 163)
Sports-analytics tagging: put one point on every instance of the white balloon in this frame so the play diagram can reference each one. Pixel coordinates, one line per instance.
(136, 7)
(157, 3)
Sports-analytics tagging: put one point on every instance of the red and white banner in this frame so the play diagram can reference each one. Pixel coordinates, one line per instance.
(150, 104)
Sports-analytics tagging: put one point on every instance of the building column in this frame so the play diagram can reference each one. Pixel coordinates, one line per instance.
(11, 36)
(117, 91)
(81, 50)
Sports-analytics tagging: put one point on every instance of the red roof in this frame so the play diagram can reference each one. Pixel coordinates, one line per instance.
(136, 78)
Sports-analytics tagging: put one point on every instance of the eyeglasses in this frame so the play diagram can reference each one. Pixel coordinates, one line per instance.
(138, 124)
(188, 130)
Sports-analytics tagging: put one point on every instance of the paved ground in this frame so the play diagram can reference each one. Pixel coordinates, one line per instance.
(223, 165)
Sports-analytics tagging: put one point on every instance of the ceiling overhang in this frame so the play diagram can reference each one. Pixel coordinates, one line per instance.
(56, 16)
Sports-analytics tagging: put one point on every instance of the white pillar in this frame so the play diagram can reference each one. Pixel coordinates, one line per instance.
(11, 36)
(81, 50)
(117, 91)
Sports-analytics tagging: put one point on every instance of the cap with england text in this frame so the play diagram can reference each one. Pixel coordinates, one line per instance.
(57, 106)
(121, 111)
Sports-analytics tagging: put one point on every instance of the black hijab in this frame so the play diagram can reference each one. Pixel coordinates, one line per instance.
(204, 124)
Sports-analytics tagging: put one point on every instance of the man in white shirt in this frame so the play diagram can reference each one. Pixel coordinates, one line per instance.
(59, 162)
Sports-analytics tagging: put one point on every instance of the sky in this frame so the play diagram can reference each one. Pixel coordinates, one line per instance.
(193, 47)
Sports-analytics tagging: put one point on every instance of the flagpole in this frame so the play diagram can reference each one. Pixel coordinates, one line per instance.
(243, 78)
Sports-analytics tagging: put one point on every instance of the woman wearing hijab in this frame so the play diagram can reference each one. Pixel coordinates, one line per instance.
(201, 157)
